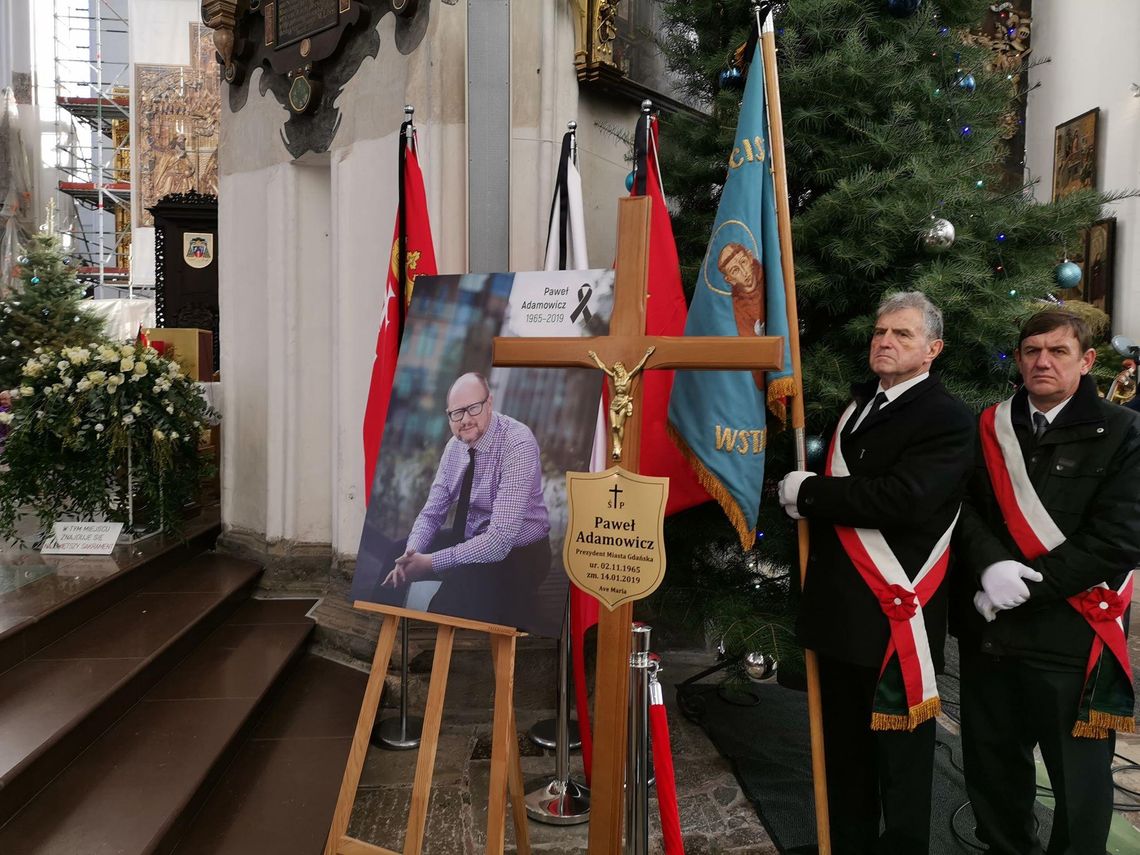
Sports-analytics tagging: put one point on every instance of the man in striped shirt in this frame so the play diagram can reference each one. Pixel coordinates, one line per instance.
(497, 551)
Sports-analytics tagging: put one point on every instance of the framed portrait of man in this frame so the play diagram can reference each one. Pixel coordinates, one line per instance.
(1074, 154)
(467, 507)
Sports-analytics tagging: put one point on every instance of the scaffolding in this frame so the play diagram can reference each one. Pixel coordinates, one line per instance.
(92, 138)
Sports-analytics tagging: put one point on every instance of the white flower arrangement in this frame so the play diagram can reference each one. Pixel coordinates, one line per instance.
(75, 420)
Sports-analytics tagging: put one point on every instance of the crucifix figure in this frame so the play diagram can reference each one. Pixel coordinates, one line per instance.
(626, 343)
(621, 404)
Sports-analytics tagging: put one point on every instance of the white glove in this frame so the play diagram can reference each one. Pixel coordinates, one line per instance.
(985, 606)
(1004, 583)
(790, 487)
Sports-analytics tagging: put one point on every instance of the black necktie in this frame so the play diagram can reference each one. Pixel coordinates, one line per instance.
(1040, 425)
(459, 529)
(876, 404)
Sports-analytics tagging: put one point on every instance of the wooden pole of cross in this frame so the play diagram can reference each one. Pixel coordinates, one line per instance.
(627, 343)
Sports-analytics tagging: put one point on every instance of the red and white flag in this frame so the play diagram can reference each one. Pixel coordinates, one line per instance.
(412, 255)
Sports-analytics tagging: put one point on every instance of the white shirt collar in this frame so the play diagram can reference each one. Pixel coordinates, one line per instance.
(1049, 414)
(896, 390)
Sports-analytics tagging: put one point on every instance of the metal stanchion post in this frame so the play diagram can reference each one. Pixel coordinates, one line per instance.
(545, 733)
(401, 733)
(637, 769)
(560, 801)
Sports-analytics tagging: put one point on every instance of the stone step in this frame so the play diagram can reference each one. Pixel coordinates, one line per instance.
(136, 787)
(279, 793)
(67, 592)
(55, 702)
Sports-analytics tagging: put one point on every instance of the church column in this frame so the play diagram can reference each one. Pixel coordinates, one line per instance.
(488, 134)
(278, 415)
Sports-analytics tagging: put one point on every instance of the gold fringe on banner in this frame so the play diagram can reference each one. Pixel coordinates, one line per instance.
(717, 490)
(778, 392)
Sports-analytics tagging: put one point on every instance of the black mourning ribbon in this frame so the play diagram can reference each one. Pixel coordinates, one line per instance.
(584, 294)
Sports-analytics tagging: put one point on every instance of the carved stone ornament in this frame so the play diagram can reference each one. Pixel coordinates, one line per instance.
(308, 50)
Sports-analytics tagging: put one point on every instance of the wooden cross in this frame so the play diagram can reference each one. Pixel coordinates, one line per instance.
(628, 343)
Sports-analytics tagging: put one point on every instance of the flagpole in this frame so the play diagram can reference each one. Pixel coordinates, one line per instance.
(783, 215)
(406, 131)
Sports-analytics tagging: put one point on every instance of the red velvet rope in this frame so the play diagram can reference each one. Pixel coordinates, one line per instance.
(666, 782)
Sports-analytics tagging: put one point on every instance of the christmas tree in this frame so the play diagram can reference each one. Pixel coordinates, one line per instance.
(43, 311)
(898, 117)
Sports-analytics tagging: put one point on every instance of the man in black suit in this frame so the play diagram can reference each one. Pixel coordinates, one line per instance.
(1050, 533)
(874, 601)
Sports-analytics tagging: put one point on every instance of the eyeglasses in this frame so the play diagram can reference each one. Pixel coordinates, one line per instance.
(470, 410)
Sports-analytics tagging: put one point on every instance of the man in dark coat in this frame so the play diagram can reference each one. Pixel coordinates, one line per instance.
(1048, 537)
(882, 516)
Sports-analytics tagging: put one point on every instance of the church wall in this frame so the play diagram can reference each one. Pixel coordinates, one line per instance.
(1093, 63)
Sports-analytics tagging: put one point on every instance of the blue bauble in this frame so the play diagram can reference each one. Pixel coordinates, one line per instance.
(1067, 275)
(967, 83)
(903, 8)
(731, 78)
(35, 280)
(629, 183)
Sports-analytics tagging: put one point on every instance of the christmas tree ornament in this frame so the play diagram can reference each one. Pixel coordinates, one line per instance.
(629, 182)
(759, 667)
(35, 280)
(23, 259)
(1067, 275)
(903, 8)
(966, 83)
(939, 236)
(731, 78)
(937, 93)
(967, 130)
(15, 342)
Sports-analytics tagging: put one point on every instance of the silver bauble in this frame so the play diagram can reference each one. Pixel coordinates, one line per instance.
(759, 667)
(939, 237)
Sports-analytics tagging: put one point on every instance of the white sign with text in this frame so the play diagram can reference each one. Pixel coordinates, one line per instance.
(82, 538)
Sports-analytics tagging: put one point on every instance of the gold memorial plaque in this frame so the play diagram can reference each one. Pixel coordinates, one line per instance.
(613, 546)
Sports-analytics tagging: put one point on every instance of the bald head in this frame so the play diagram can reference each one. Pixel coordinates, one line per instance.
(469, 407)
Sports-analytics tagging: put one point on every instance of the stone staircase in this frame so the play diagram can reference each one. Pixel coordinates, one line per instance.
(168, 711)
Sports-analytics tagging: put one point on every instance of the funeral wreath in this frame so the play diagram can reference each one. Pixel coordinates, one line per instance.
(103, 431)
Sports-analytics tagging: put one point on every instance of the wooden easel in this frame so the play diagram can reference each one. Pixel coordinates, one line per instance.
(506, 771)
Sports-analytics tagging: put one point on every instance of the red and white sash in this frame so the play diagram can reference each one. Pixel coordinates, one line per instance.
(1035, 533)
(901, 600)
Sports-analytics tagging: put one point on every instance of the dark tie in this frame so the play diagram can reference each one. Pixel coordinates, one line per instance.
(876, 404)
(1040, 425)
(459, 529)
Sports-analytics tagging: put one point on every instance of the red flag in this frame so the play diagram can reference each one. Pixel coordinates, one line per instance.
(411, 240)
(665, 315)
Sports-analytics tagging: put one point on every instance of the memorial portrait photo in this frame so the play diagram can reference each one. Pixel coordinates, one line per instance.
(468, 501)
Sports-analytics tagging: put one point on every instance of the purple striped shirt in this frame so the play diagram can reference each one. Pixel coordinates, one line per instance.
(507, 509)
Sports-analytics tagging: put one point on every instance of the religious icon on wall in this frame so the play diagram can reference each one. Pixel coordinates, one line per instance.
(491, 521)
(198, 249)
(1099, 261)
(178, 109)
(1074, 154)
